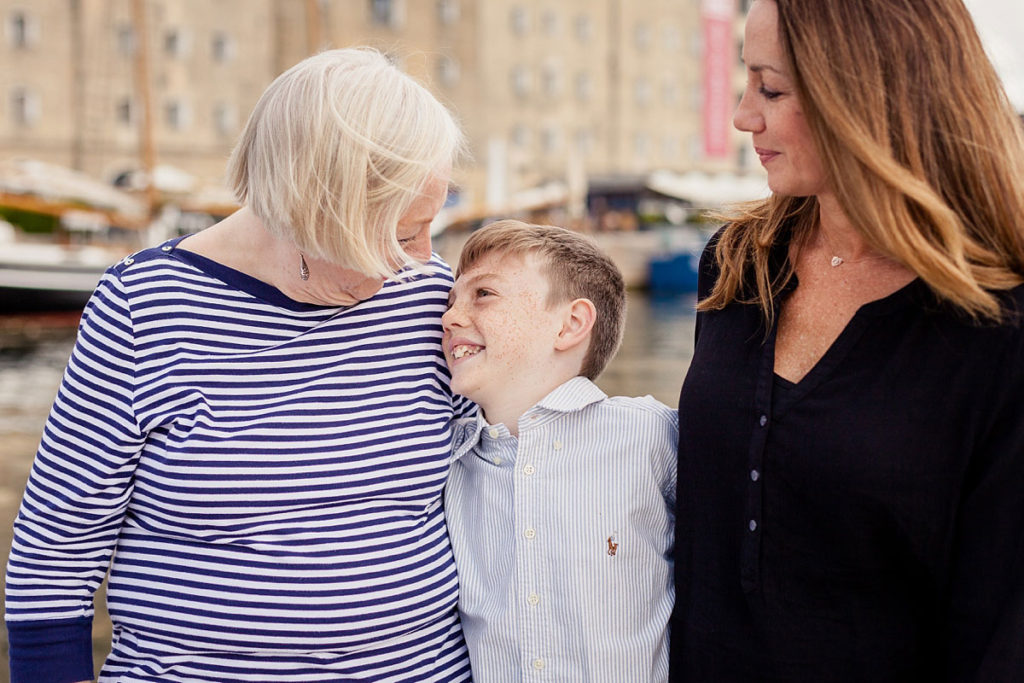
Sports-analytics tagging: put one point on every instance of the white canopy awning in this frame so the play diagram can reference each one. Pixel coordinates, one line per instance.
(704, 190)
(57, 183)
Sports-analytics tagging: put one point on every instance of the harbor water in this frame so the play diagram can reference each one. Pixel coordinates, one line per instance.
(34, 348)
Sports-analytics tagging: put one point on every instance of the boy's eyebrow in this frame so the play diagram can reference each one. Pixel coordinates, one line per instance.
(482, 276)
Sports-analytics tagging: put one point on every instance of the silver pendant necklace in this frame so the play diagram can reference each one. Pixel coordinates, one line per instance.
(835, 261)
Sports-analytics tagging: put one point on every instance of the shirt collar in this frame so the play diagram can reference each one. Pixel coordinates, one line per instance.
(574, 395)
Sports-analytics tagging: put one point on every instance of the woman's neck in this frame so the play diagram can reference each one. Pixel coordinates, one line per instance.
(242, 242)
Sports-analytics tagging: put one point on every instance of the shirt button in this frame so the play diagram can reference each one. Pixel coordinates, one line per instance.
(493, 431)
(557, 445)
(534, 599)
(754, 475)
(496, 461)
(763, 421)
(752, 525)
(529, 533)
(129, 261)
(529, 469)
(538, 664)
(167, 248)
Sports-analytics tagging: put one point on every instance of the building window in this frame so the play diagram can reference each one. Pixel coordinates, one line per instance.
(670, 147)
(177, 115)
(551, 139)
(176, 43)
(448, 71)
(641, 145)
(642, 36)
(520, 136)
(549, 22)
(225, 118)
(584, 86)
(642, 92)
(552, 81)
(673, 39)
(448, 11)
(521, 81)
(670, 92)
(24, 107)
(584, 28)
(125, 111)
(387, 13)
(126, 39)
(697, 97)
(584, 142)
(22, 31)
(518, 21)
(222, 48)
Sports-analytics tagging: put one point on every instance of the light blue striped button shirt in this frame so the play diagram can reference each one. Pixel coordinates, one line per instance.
(563, 538)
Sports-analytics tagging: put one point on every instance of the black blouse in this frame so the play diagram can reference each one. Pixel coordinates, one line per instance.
(865, 523)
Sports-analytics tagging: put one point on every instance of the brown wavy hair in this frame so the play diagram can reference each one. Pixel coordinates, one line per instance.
(921, 146)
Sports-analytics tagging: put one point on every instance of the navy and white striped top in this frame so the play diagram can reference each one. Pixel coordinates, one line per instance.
(563, 539)
(269, 472)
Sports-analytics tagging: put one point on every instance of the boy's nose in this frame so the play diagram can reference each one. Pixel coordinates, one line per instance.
(452, 317)
(447, 318)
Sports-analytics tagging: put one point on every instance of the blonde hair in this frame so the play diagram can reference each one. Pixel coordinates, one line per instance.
(336, 150)
(576, 268)
(921, 146)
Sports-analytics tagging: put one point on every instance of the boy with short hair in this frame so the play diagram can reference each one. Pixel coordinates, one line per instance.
(560, 499)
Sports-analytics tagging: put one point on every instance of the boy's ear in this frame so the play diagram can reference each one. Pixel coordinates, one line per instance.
(576, 325)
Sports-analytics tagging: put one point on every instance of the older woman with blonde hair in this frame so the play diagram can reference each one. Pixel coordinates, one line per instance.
(852, 423)
(256, 418)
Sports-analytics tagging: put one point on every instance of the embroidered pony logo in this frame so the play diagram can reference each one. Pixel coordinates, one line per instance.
(613, 545)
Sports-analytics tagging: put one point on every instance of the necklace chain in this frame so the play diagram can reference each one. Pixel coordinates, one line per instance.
(836, 260)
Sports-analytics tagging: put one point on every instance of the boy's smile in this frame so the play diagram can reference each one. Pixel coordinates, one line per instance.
(500, 332)
(460, 350)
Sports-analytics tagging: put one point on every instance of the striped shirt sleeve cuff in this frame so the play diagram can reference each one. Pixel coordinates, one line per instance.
(52, 651)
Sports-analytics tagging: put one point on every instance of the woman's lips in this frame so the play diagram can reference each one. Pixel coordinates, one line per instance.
(765, 155)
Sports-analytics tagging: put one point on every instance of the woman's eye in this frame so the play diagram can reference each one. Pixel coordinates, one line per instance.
(768, 93)
(482, 292)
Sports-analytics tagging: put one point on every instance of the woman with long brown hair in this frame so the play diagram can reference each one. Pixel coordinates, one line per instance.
(852, 424)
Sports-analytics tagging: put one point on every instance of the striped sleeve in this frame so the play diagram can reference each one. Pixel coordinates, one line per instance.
(80, 483)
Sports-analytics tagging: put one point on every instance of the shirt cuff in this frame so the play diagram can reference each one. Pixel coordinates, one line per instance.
(52, 651)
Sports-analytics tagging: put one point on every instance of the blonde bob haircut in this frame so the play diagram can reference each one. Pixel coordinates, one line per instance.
(922, 149)
(335, 152)
(575, 267)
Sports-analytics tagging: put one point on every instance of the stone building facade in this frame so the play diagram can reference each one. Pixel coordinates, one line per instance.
(547, 90)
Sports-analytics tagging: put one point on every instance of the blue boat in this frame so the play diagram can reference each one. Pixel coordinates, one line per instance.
(675, 268)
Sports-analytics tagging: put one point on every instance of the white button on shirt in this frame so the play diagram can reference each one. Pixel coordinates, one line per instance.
(564, 554)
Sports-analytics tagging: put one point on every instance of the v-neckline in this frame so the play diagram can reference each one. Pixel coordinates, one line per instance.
(840, 346)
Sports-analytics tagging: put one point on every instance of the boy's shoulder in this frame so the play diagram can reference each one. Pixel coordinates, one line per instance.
(642, 405)
(584, 398)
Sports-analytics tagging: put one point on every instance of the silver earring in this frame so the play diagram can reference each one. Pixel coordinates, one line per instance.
(303, 268)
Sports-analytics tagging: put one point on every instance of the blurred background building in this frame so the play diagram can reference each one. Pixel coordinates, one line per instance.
(557, 97)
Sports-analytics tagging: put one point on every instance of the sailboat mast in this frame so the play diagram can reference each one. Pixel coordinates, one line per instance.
(147, 152)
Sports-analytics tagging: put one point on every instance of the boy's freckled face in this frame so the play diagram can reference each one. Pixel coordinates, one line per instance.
(499, 332)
